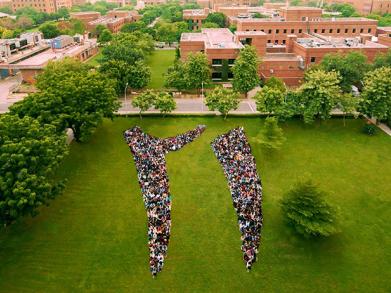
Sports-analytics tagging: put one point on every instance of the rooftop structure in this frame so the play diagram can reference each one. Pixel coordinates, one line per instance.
(366, 6)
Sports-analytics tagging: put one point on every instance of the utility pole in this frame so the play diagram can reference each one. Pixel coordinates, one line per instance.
(126, 88)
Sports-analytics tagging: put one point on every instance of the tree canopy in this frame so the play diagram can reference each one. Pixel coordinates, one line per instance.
(223, 100)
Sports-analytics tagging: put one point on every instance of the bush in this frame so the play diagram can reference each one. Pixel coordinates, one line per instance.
(369, 129)
(307, 212)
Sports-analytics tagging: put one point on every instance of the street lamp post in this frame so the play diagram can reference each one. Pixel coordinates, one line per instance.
(126, 88)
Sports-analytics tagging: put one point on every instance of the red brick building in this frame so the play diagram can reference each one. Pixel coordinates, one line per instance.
(48, 6)
(366, 6)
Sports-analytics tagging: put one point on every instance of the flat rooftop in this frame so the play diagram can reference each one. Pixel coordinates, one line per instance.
(214, 38)
(327, 42)
(106, 20)
(281, 57)
(194, 12)
(281, 19)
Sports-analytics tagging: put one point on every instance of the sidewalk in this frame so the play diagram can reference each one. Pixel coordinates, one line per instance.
(7, 98)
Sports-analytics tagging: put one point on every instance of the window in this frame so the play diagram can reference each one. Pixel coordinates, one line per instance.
(283, 42)
(276, 42)
(285, 31)
(231, 61)
(313, 59)
(331, 31)
(338, 31)
(292, 31)
(217, 62)
(270, 31)
(323, 31)
(369, 30)
(277, 31)
(269, 41)
(217, 75)
(263, 31)
(315, 31)
(230, 75)
(361, 30)
(346, 30)
(300, 31)
(354, 31)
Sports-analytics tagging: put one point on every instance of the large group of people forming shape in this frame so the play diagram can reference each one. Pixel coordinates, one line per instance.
(149, 156)
(234, 153)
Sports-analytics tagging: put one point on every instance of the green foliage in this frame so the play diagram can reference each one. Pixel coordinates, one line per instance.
(6, 9)
(105, 37)
(176, 76)
(271, 100)
(128, 47)
(351, 68)
(134, 76)
(170, 32)
(245, 70)
(222, 100)
(210, 25)
(383, 20)
(70, 96)
(165, 103)
(197, 70)
(318, 94)
(347, 10)
(49, 30)
(277, 83)
(272, 135)
(29, 153)
(348, 104)
(307, 212)
(133, 26)
(100, 6)
(217, 17)
(383, 60)
(144, 101)
(259, 15)
(369, 129)
(376, 95)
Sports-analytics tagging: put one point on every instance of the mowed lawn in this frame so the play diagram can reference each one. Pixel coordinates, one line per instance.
(93, 238)
(159, 61)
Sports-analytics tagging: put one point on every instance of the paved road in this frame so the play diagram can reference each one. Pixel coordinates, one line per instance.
(192, 106)
(6, 98)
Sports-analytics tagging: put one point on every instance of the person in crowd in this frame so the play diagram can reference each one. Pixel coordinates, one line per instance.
(234, 154)
(149, 156)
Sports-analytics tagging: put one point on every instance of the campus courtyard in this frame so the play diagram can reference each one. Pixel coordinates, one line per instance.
(93, 238)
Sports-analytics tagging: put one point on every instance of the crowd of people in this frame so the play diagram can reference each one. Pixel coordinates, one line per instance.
(234, 154)
(149, 156)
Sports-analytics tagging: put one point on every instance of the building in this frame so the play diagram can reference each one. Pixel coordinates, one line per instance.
(120, 3)
(85, 16)
(5, 3)
(214, 4)
(366, 6)
(287, 48)
(114, 20)
(48, 6)
(195, 17)
(33, 60)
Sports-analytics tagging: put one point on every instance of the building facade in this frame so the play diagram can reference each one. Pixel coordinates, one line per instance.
(48, 6)
(366, 6)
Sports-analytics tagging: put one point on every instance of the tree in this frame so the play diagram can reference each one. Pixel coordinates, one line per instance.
(270, 100)
(222, 100)
(376, 95)
(197, 70)
(318, 94)
(166, 32)
(272, 135)
(176, 76)
(99, 29)
(346, 10)
(105, 36)
(29, 153)
(245, 70)
(133, 26)
(383, 60)
(259, 15)
(70, 96)
(165, 103)
(63, 13)
(217, 18)
(307, 212)
(348, 104)
(144, 101)
(351, 68)
(275, 82)
(49, 30)
(210, 25)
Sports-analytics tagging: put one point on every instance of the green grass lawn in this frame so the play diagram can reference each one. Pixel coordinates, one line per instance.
(93, 238)
(159, 62)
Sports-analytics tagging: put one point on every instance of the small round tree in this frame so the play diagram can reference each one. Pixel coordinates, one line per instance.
(222, 100)
(144, 101)
(272, 135)
(307, 212)
(165, 103)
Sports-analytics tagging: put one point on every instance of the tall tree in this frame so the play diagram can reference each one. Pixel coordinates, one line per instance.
(105, 37)
(76, 99)
(245, 70)
(270, 100)
(223, 100)
(217, 17)
(383, 60)
(348, 104)
(197, 71)
(49, 30)
(135, 76)
(29, 153)
(306, 210)
(351, 68)
(376, 95)
(176, 76)
(318, 94)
